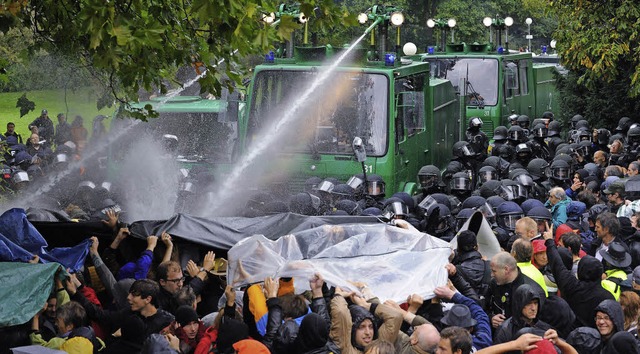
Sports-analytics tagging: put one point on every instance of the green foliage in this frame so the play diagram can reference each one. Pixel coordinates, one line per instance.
(596, 105)
(600, 40)
(134, 44)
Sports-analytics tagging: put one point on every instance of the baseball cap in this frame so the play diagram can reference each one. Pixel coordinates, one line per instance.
(615, 187)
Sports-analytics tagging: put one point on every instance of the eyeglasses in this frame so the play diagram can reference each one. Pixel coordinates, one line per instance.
(176, 281)
(603, 318)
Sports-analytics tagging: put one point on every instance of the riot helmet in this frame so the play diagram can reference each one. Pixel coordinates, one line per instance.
(475, 123)
(325, 186)
(523, 151)
(538, 169)
(480, 204)
(460, 182)
(444, 220)
(582, 125)
(633, 136)
(603, 136)
(523, 121)
(541, 215)
(462, 217)
(500, 133)
(585, 149)
(539, 131)
(348, 206)
(522, 177)
(427, 204)
(623, 125)
(494, 201)
(575, 119)
(506, 152)
(530, 204)
(429, 176)
(486, 173)
(513, 119)
(311, 183)
(554, 128)
(548, 115)
(343, 191)
(463, 149)
(375, 186)
(507, 214)
(395, 208)
(560, 169)
(516, 134)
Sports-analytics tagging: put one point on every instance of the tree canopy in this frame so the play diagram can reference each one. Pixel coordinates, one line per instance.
(129, 45)
(600, 40)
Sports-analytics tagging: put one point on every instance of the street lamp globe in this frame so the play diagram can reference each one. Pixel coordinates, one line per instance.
(409, 49)
(431, 23)
(487, 21)
(451, 23)
(508, 21)
(528, 21)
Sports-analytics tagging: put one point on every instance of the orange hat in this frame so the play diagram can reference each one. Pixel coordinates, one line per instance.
(250, 346)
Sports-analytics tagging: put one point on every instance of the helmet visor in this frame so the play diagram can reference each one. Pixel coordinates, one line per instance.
(524, 180)
(460, 222)
(560, 172)
(427, 204)
(325, 186)
(487, 176)
(487, 211)
(467, 151)
(375, 188)
(515, 135)
(355, 182)
(397, 209)
(428, 181)
(460, 183)
(540, 132)
(505, 193)
(519, 191)
(510, 220)
(476, 122)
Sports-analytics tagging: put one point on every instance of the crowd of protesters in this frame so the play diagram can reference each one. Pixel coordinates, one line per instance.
(47, 148)
(564, 212)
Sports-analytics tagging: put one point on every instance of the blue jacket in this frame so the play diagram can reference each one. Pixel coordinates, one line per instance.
(559, 212)
(482, 334)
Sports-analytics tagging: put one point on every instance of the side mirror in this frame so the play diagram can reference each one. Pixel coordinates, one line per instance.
(358, 149)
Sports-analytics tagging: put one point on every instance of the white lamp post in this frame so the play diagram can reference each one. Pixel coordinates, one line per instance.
(529, 21)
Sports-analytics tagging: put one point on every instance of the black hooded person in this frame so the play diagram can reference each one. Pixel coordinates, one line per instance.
(609, 318)
(526, 307)
(584, 293)
(313, 335)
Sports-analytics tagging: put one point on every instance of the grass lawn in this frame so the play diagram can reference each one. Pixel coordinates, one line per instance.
(81, 102)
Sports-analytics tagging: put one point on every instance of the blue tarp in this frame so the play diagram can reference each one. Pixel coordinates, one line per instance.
(20, 241)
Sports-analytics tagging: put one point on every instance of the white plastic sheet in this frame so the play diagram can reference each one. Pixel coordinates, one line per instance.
(392, 261)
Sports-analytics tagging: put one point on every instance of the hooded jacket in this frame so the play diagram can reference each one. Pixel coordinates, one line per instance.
(559, 211)
(343, 321)
(614, 310)
(523, 295)
(313, 335)
(584, 293)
